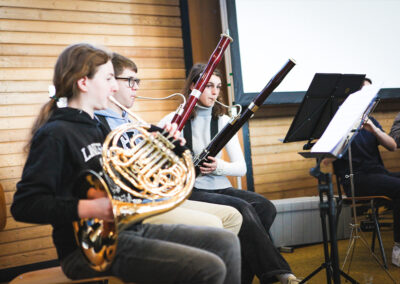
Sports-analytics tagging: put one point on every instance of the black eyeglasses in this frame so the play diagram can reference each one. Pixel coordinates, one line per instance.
(131, 80)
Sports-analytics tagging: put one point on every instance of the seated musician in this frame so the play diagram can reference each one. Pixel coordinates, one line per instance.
(370, 175)
(189, 212)
(259, 255)
(66, 141)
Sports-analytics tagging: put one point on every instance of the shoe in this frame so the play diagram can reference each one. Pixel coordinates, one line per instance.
(293, 280)
(396, 256)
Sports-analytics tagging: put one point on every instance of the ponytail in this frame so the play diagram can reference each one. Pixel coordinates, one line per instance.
(75, 62)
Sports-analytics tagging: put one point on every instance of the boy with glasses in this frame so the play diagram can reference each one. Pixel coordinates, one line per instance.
(189, 212)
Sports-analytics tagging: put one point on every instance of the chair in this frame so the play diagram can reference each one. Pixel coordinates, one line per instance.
(373, 203)
(55, 275)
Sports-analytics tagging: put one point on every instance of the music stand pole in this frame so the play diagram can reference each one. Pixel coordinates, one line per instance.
(327, 208)
(355, 228)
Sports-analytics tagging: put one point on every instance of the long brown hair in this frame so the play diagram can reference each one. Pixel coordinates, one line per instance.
(194, 74)
(75, 62)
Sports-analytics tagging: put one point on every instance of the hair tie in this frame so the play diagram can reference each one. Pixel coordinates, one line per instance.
(52, 93)
(60, 101)
(55, 98)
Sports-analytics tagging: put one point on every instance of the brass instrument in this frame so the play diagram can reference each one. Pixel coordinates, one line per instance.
(143, 180)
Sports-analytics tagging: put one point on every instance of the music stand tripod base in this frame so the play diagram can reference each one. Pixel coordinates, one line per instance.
(327, 208)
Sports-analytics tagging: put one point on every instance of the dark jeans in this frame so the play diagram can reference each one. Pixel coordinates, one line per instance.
(259, 255)
(379, 183)
(149, 253)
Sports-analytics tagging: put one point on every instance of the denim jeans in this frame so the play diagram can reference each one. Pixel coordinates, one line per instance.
(148, 253)
(259, 255)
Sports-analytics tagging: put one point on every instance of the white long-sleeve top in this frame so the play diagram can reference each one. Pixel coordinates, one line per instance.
(201, 139)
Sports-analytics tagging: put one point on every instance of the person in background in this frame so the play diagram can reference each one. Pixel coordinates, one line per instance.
(66, 141)
(189, 212)
(259, 255)
(370, 177)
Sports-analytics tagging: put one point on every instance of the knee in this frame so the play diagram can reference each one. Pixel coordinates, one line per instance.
(235, 221)
(271, 209)
(227, 243)
(213, 270)
(267, 205)
(207, 268)
(205, 219)
(213, 221)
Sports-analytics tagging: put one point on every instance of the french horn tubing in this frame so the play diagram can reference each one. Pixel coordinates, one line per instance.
(142, 180)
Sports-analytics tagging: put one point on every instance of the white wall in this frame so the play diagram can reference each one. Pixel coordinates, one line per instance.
(335, 36)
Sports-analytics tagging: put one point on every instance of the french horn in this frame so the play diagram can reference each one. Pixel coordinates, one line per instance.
(142, 180)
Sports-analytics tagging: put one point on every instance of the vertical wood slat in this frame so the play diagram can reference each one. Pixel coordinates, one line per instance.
(33, 33)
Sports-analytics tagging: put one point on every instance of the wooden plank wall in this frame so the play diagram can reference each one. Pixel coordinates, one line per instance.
(32, 34)
(279, 171)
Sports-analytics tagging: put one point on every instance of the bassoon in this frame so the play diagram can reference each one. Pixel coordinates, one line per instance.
(231, 128)
(183, 115)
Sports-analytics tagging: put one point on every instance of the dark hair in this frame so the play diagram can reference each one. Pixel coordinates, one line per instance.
(75, 62)
(121, 62)
(194, 74)
(368, 80)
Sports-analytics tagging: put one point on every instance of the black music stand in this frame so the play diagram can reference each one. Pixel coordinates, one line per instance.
(327, 207)
(320, 103)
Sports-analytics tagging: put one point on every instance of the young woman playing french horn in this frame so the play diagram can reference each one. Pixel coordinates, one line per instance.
(66, 141)
(259, 256)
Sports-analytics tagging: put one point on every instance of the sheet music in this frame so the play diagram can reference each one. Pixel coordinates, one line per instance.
(347, 118)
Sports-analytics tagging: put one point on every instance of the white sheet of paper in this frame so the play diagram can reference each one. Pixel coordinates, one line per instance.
(347, 118)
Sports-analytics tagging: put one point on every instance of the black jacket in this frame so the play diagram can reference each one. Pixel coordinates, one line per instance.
(61, 149)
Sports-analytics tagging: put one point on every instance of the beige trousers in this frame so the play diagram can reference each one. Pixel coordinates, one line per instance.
(198, 213)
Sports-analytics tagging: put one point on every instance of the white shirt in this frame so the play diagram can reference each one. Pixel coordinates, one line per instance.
(201, 139)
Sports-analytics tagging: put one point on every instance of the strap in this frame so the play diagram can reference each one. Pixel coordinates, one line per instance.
(213, 127)
(187, 133)
(104, 122)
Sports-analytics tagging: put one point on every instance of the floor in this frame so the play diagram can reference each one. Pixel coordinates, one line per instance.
(364, 267)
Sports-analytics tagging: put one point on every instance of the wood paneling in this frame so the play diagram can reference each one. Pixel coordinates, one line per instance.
(60, 38)
(25, 258)
(33, 34)
(95, 6)
(86, 17)
(42, 86)
(88, 28)
(280, 172)
(45, 61)
(22, 74)
(55, 50)
(3, 214)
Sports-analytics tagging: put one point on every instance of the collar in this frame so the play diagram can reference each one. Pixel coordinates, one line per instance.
(203, 111)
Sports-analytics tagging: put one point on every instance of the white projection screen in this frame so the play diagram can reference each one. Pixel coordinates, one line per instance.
(335, 36)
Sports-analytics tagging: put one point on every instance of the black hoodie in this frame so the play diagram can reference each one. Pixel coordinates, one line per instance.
(61, 149)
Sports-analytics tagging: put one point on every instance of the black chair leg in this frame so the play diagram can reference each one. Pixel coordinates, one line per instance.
(376, 228)
(378, 234)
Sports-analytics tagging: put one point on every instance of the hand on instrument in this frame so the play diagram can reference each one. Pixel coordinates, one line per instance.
(383, 139)
(100, 208)
(369, 126)
(209, 167)
(327, 161)
(174, 133)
